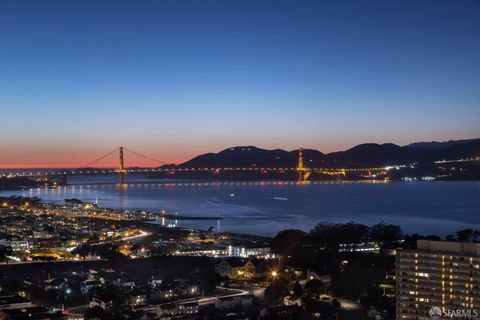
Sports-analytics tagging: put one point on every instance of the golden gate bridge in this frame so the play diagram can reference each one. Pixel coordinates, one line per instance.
(303, 171)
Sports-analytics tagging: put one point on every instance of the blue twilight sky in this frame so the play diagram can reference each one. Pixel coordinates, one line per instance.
(176, 78)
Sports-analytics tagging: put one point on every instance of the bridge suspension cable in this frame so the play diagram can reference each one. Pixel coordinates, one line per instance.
(99, 159)
(146, 157)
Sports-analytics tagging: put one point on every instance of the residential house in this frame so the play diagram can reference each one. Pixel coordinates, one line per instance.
(104, 304)
(88, 285)
(188, 308)
(236, 269)
(137, 297)
(184, 289)
(55, 284)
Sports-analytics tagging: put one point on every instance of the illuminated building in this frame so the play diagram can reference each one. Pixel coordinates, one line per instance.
(245, 252)
(438, 274)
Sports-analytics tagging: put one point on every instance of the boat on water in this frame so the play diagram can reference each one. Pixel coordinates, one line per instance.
(280, 198)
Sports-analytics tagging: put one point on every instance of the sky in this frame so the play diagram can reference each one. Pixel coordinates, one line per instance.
(173, 79)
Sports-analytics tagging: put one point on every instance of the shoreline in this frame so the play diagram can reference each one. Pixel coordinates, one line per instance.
(235, 196)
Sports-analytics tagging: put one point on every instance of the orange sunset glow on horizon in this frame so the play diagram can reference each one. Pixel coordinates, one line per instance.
(60, 155)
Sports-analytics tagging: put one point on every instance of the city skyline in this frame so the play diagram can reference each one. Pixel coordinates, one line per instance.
(174, 81)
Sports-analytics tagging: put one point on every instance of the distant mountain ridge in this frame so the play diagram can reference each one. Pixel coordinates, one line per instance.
(250, 156)
(363, 155)
(439, 145)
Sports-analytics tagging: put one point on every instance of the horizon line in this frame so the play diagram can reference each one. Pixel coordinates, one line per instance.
(70, 167)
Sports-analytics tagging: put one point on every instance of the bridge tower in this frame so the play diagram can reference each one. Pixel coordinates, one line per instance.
(121, 168)
(303, 173)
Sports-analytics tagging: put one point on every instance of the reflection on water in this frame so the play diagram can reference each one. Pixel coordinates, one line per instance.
(253, 207)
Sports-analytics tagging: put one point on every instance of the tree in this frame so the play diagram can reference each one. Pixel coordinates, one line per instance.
(352, 234)
(325, 234)
(82, 250)
(297, 290)
(51, 297)
(410, 241)
(5, 252)
(336, 304)
(359, 275)
(208, 280)
(276, 290)
(286, 240)
(475, 235)
(375, 297)
(314, 306)
(331, 235)
(75, 298)
(109, 252)
(94, 239)
(465, 235)
(314, 286)
(95, 313)
(432, 237)
(386, 233)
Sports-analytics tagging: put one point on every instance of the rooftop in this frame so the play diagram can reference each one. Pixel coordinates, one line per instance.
(449, 246)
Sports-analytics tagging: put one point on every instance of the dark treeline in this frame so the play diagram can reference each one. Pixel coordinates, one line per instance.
(329, 237)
